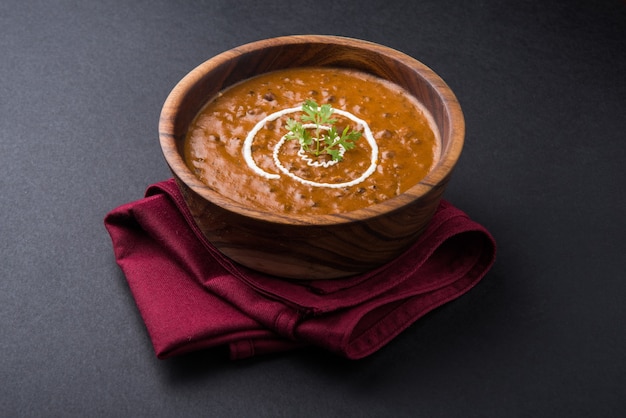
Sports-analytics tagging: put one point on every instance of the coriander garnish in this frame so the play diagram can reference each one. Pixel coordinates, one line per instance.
(325, 139)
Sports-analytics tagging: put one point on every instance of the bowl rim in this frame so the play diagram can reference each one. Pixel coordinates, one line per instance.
(442, 169)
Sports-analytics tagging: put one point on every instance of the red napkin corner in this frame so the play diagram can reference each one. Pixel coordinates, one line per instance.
(191, 297)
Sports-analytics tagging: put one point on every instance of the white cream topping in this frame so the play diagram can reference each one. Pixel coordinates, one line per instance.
(247, 150)
(303, 154)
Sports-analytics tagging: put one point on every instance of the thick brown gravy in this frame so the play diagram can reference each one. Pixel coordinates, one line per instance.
(234, 143)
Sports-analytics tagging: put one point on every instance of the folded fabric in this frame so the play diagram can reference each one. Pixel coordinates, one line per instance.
(191, 297)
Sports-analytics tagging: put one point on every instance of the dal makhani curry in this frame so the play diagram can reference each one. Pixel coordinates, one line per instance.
(312, 141)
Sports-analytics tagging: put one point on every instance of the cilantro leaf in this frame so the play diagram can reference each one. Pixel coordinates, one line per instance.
(326, 139)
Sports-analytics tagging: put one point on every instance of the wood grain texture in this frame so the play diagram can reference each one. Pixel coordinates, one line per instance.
(329, 246)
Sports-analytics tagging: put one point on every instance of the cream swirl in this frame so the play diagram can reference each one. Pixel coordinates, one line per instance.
(247, 150)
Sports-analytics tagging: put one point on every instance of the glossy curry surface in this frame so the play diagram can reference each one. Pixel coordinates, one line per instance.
(398, 146)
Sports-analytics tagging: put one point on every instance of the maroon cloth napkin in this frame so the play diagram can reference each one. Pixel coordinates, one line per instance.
(191, 297)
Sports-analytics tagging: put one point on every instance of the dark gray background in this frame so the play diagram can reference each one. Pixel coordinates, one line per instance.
(543, 88)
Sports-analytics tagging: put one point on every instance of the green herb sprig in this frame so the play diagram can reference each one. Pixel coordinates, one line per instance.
(325, 139)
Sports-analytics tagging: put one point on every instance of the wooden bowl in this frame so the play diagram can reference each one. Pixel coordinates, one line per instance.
(329, 246)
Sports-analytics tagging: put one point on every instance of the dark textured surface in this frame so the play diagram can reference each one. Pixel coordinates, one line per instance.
(544, 94)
